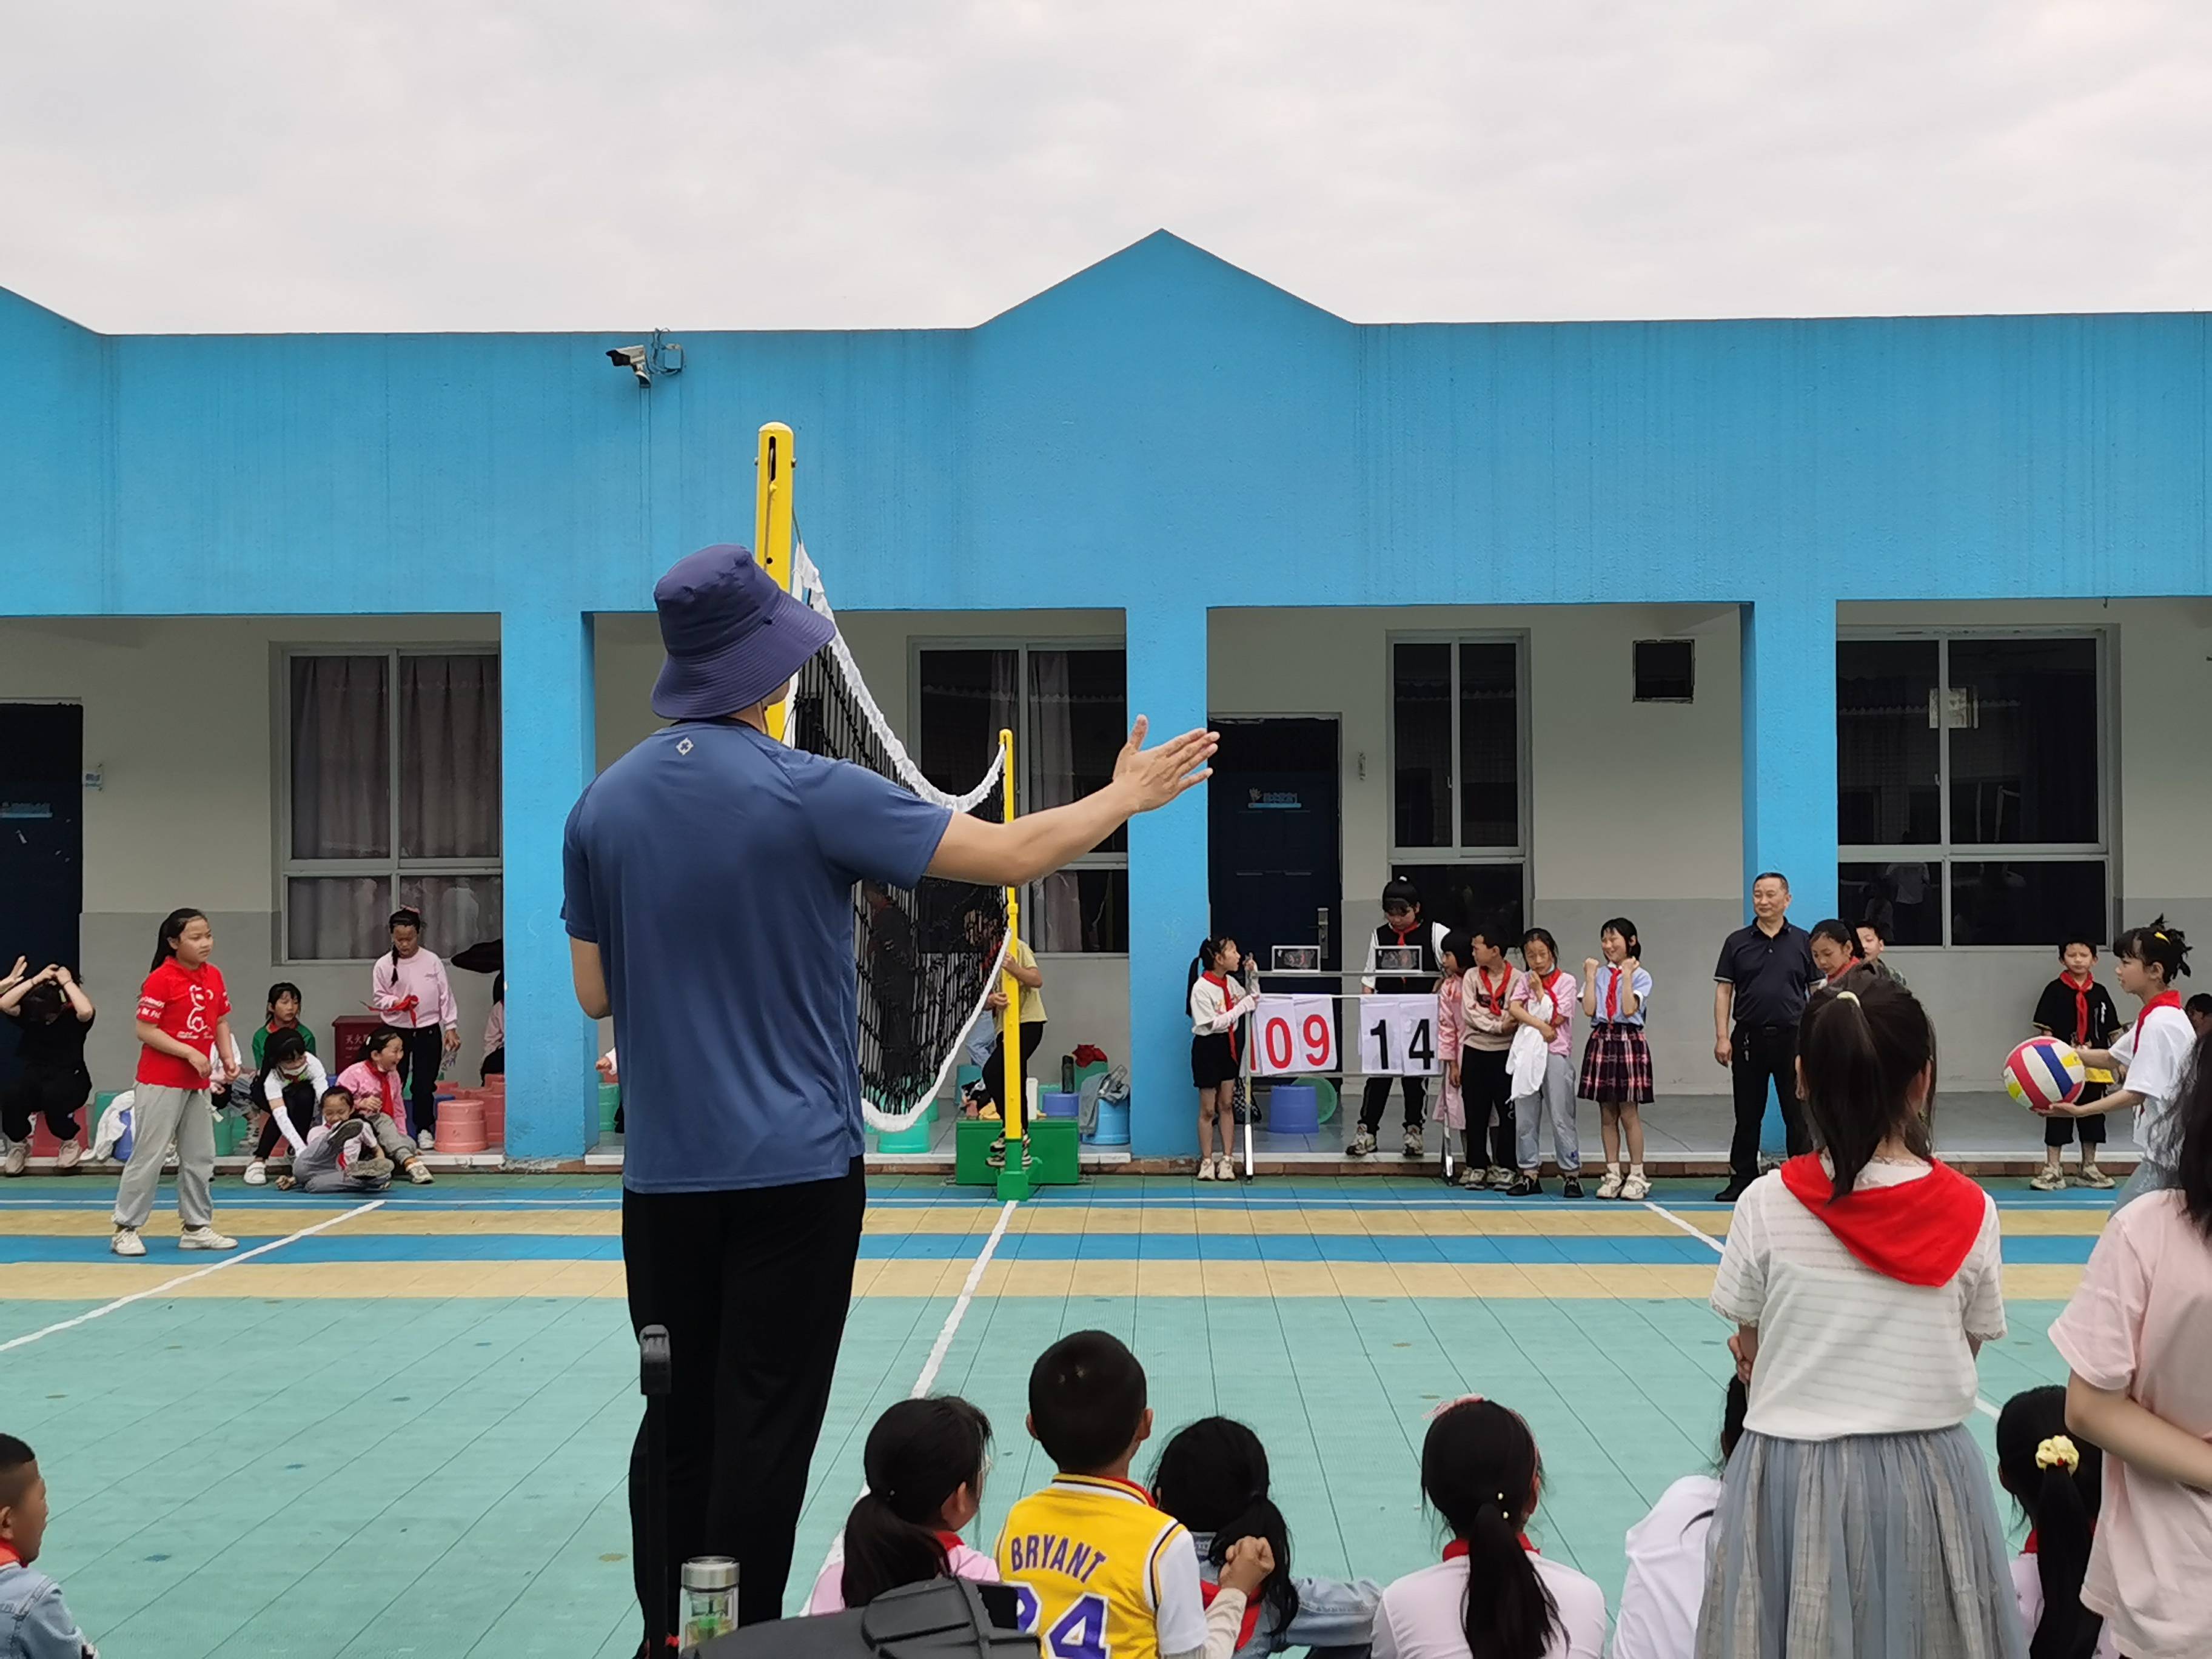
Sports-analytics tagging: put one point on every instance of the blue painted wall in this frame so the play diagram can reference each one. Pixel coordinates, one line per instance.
(1162, 433)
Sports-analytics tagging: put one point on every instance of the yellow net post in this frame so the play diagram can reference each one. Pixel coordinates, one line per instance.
(1014, 1176)
(772, 519)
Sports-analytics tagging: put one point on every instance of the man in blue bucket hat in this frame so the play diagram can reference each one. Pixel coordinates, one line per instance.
(709, 875)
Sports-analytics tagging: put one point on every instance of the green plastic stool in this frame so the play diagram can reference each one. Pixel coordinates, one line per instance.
(609, 1099)
(914, 1137)
(1053, 1148)
(972, 1150)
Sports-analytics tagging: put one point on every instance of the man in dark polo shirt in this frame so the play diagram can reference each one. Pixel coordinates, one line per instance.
(1765, 976)
(709, 879)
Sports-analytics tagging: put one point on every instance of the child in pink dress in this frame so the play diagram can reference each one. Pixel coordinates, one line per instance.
(1450, 1111)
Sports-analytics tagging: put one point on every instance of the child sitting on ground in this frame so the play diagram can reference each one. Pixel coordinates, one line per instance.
(1492, 1593)
(1665, 1582)
(1101, 1569)
(1213, 1479)
(374, 1083)
(340, 1154)
(925, 1461)
(2055, 1478)
(33, 1618)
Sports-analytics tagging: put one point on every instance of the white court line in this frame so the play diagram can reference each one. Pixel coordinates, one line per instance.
(186, 1279)
(939, 1348)
(1661, 1210)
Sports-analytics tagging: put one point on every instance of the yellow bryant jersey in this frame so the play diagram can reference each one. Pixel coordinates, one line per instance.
(1099, 1571)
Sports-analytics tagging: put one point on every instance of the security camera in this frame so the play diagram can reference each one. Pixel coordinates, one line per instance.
(634, 359)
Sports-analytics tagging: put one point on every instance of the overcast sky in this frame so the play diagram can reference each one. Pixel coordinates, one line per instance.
(570, 164)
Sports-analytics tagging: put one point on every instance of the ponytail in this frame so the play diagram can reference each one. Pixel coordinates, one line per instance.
(1864, 1046)
(165, 946)
(1212, 1477)
(917, 1456)
(2056, 1481)
(405, 916)
(1480, 1471)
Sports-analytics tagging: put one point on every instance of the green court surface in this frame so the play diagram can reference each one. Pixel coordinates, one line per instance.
(408, 1432)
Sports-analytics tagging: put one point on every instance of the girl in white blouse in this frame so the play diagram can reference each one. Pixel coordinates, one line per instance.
(1217, 1006)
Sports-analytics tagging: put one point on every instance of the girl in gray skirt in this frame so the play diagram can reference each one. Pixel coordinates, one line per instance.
(1855, 1521)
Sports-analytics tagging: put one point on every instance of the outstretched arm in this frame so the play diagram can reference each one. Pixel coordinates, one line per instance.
(1010, 854)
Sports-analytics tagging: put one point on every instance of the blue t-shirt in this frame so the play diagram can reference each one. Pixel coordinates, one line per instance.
(714, 868)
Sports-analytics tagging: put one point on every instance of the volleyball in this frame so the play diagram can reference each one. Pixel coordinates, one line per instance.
(2042, 1073)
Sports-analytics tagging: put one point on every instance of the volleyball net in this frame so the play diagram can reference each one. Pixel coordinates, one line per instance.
(928, 957)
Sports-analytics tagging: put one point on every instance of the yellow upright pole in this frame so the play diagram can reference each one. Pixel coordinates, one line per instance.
(1014, 1177)
(772, 518)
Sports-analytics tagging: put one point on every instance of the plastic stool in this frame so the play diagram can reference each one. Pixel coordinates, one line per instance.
(1294, 1109)
(1113, 1128)
(914, 1137)
(1056, 1104)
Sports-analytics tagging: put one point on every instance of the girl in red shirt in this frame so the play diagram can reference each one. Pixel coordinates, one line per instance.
(184, 1028)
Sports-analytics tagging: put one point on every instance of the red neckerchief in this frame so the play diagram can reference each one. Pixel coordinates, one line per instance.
(2163, 1000)
(1547, 980)
(9, 1558)
(1494, 1001)
(1612, 993)
(1457, 1549)
(2029, 1548)
(2080, 1003)
(1206, 1593)
(1221, 984)
(952, 1541)
(1916, 1232)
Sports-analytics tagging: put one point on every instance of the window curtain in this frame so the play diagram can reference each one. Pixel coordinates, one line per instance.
(1058, 924)
(449, 755)
(340, 762)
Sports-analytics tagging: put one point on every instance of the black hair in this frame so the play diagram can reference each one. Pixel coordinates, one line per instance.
(2061, 1505)
(1399, 891)
(2073, 939)
(42, 1004)
(919, 1453)
(1626, 929)
(2193, 1162)
(1862, 1047)
(284, 988)
(283, 1046)
(2199, 1004)
(1492, 932)
(1212, 1477)
(2156, 946)
(17, 1462)
(1732, 1416)
(499, 987)
(405, 916)
(173, 927)
(1874, 925)
(339, 1089)
(1772, 875)
(1086, 1401)
(1208, 949)
(1542, 936)
(1835, 933)
(378, 1037)
(1480, 1471)
(1459, 945)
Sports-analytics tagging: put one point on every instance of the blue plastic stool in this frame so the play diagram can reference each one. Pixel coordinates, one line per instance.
(1057, 1104)
(1294, 1109)
(1113, 1128)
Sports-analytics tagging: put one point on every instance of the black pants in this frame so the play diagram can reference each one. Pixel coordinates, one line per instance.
(299, 1106)
(419, 1070)
(1764, 1054)
(994, 1073)
(1486, 1087)
(495, 1065)
(2057, 1129)
(52, 1095)
(1376, 1096)
(752, 1286)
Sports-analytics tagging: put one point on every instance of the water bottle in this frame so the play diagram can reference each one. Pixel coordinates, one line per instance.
(710, 1599)
(1067, 1074)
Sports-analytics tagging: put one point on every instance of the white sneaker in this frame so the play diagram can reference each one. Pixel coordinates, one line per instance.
(1498, 1178)
(1412, 1143)
(126, 1242)
(1362, 1143)
(1636, 1189)
(419, 1173)
(72, 1153)
(2047, 1180)
(1205, 1168)
(1224, 1168)
(18, 1159)
(1610, 1186)
(257, 1174)
(201, 1238)
(427, 1141)
(1471, 1178)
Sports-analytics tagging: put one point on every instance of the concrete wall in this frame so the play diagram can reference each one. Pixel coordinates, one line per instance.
(179, 714)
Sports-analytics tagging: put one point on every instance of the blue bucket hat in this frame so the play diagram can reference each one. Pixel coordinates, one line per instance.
(732, 636)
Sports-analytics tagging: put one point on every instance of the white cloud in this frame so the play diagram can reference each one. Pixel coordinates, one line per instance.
(434, 164)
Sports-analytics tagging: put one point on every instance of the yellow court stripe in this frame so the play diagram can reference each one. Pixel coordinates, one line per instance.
(270, 1223)
(2052, 1224)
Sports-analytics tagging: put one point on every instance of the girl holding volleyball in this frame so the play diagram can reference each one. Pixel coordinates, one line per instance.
(2154, 1052)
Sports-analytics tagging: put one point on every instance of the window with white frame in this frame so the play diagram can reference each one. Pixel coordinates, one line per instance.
(1458, 784)
(389, 777)
(1973, 806)
(1067, 707)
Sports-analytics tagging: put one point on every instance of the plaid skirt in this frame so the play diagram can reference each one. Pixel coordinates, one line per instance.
(1616, 1065)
